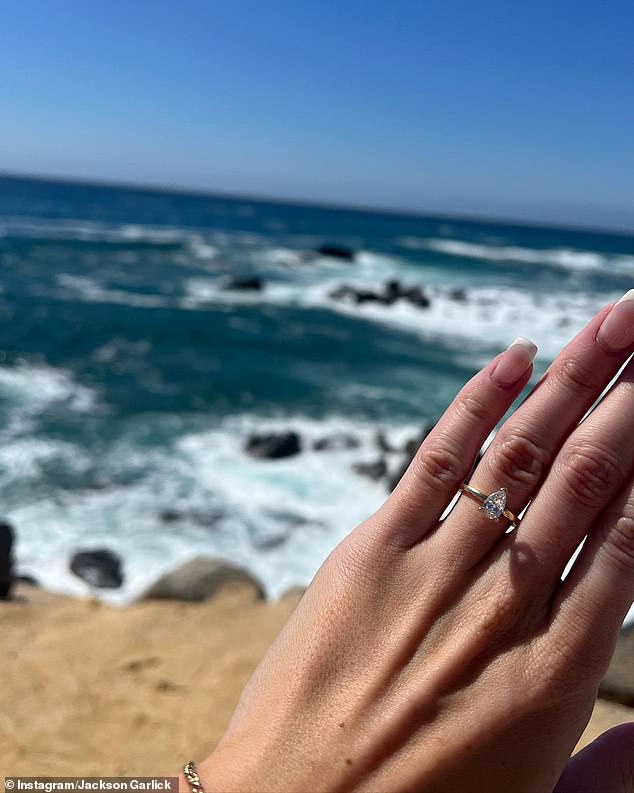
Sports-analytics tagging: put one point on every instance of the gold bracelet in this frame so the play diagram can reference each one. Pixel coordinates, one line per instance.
(191, 775)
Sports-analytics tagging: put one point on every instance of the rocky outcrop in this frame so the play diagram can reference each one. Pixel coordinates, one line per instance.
(391, 293)
(200, 578)
(6, 559)
(244, 284)
(336, 252)
(272, 446)
(618, 683)
(99, 567)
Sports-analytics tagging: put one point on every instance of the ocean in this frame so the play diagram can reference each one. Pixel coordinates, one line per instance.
(131, 377)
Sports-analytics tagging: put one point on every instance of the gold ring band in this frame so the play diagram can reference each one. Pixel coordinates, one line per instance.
(493, 505)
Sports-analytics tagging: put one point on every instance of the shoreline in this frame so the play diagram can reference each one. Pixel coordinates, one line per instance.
(138, 690)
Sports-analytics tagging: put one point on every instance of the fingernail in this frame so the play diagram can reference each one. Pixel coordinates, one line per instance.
(617, 329)
(514, 362)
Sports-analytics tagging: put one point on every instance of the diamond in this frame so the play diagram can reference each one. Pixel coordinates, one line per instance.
(495, 504)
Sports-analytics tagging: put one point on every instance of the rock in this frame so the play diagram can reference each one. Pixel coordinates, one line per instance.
(98, 567)
(336, 252)
(618, 683)
(347, 292)
(6, 559)
(336, 442)
(244, 284)
(272, 446)
(417, 297)
(200, 578)
(374, 470)
(392, 291)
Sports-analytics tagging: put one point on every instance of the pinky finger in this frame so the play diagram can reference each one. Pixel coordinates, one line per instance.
(594, 599)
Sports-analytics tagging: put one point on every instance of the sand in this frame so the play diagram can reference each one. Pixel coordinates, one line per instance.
(93, 690)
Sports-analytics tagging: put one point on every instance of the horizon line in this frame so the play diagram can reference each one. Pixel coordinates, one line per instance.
(154, 187)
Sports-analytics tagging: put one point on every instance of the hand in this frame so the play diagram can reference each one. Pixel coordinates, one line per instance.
(449, 656)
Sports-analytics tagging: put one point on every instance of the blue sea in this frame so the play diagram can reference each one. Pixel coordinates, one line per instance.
(131, 377)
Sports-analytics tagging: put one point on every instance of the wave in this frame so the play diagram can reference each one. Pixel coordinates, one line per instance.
(564, 258)
(297, 509)
(493, 315)
(91, 290)
(199, 243)
(490, 314)
(28, 390)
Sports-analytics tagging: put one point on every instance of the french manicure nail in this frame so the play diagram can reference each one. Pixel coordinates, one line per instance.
(514, 362)
(616, 333)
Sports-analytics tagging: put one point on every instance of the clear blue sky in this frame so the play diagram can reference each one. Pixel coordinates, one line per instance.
(517, 109)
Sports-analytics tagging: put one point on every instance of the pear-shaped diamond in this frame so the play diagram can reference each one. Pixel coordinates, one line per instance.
(495, 504)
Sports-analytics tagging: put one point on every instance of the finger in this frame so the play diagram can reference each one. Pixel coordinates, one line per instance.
(593, 465)
(447, 454)
(591, 603)
(527, 443)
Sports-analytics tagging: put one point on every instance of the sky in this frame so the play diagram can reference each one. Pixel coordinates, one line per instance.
(508, 109)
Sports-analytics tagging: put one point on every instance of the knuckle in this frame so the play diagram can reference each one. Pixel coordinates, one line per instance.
(438, 466)
(501, 610)
(520, 459)
(576, 376)
(620, 542)
(471, 406)
(590, 472)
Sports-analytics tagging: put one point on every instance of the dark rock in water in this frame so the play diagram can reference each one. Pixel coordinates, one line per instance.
(373, 470)
(618, 683)
(337, 252)
(459, 294)
(244, 284)
(6, 559)
(417, 296)
(336, 442)
(200, 578)
(272, 446)
(98, 567)
(392, 291)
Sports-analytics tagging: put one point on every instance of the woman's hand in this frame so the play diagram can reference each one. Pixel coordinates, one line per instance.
(429, 656)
